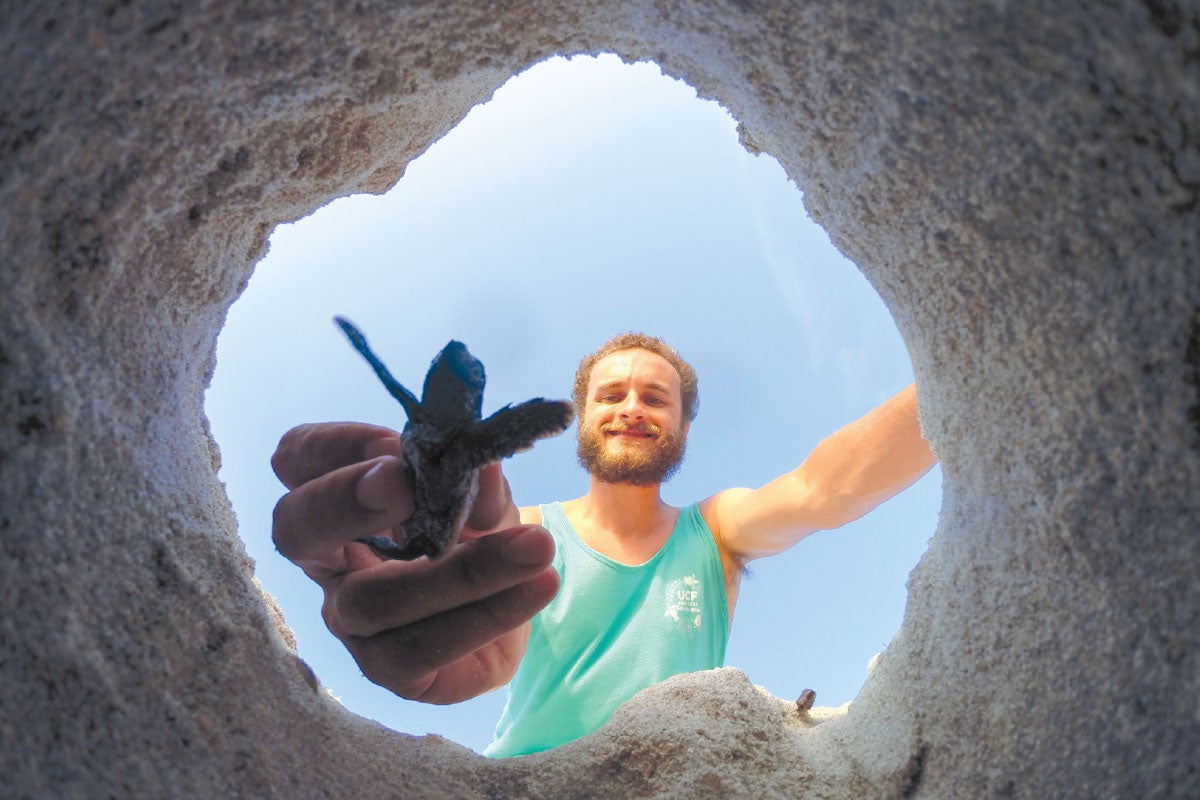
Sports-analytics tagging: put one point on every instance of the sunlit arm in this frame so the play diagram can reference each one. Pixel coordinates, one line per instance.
(860, 466)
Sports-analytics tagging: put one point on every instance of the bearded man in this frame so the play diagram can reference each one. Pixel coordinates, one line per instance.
(577, 605)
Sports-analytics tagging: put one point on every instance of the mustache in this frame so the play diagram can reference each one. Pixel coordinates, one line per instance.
(637, 427)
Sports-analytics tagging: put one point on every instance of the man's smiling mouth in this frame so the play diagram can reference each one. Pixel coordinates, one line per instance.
(635, 432)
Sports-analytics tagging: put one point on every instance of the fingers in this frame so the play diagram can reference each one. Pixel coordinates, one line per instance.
(396, 594)
(315, 520)
(309, 451)
(443, 651)
(482, 670)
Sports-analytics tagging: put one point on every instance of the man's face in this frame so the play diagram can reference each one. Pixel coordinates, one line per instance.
(632, 428)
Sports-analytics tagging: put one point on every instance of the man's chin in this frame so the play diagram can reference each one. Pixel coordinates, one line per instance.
(646, 472)
(631, 461)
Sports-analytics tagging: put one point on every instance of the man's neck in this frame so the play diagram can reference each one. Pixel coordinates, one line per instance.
(621, 520)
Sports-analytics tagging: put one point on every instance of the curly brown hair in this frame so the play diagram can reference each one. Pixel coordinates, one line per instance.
(689, 384)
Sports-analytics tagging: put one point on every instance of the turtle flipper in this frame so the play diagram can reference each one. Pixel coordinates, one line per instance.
(513, 429)
(412, 406)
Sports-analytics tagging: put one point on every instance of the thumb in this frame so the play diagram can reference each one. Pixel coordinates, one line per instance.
(493, 508)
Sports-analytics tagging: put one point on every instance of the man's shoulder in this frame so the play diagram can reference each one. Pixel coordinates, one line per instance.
(713, 506)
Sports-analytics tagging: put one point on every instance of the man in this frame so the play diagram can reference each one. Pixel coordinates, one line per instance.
(641, 594)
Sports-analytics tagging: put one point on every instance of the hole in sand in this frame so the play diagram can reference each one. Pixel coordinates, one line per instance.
(589, 197)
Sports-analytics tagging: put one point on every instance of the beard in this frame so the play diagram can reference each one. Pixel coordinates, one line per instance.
(635, 467)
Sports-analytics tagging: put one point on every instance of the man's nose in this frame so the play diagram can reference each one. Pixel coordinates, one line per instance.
(632, 407)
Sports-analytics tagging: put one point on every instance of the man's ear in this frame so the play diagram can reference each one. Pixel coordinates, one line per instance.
(687, 426)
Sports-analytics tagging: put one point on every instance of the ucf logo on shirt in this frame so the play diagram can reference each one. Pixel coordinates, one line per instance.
(685, 598)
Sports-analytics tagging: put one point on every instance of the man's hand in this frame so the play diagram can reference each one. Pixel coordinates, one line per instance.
(436, 631)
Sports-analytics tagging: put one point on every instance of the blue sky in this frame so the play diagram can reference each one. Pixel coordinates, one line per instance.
(589, 197)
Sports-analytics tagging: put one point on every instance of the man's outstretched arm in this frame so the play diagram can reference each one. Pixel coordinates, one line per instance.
(860, 466)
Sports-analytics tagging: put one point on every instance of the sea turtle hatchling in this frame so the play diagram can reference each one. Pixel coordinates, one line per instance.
(446, 442)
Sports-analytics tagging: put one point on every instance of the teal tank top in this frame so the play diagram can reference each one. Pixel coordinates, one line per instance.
(612, 630)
